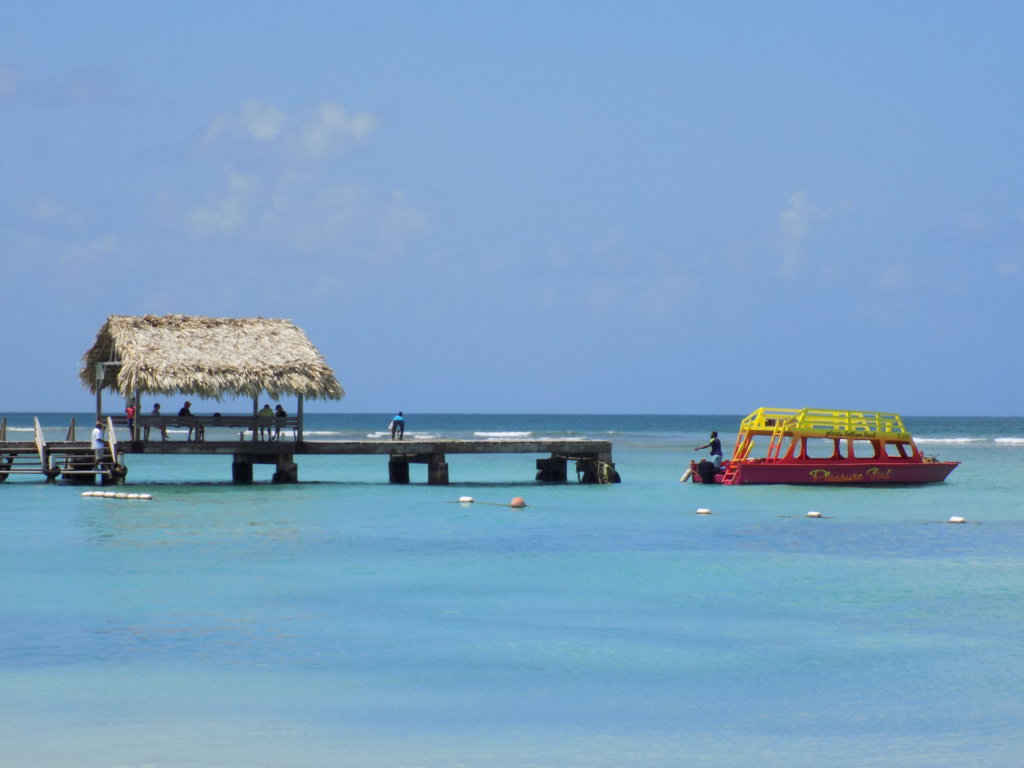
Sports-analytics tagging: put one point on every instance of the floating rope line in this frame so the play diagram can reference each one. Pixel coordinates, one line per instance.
(516, 503)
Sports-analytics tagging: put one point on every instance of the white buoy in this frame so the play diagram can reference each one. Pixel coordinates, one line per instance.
(465, 499)
(956, 519)
(703, 511)
(814, 514)
(117, 495)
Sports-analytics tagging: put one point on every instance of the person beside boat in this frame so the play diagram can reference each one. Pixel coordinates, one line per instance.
(716, 450)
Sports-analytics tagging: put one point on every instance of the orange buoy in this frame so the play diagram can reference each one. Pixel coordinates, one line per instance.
(517, 503)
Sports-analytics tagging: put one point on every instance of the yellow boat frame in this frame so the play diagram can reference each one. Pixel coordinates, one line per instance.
(782, 423)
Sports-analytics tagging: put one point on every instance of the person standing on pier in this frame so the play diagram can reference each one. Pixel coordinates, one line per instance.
(98, 446)
(398, 426)
(129, 413)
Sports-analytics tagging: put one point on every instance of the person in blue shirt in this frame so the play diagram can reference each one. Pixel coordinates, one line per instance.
(398, 426)
(716, 449)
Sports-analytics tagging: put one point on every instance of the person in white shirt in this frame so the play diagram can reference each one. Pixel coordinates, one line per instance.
(98, 446)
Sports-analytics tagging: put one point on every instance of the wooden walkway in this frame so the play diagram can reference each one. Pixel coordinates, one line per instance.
(593, 458)
(73, 460)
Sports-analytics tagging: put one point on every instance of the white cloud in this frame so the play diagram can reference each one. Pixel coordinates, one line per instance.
(895, 276)
(304, 212)
(975, 225)
(286, 196)
(228, 212)
(329, 129)
(795, 224)
(262, 122)
(332, 129)
(400, 221)
(93, 258)
(8, 82)
(253, 121)
(52, 212)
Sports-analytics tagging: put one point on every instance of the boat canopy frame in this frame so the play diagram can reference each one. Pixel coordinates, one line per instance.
(798, 424)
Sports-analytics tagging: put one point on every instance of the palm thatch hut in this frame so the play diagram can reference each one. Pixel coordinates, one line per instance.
(209, 357)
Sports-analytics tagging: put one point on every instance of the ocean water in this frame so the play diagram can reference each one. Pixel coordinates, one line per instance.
(343, 621)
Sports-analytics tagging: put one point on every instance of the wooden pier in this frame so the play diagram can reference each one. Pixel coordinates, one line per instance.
(593, 458)
(73, 460)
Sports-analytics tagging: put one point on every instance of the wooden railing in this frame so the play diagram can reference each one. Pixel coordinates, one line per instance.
(272, 428)
(40, 442)
(112, 440)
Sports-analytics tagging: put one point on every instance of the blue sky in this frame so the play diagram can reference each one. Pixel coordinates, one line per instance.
(653, 207)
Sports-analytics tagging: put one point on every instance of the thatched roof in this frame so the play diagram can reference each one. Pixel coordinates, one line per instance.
(209, 357)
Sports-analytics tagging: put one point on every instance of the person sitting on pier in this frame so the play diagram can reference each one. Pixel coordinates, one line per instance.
(265, 418)
(185, 418)
(98, 446)
(161, 427)
(398, 426)
(279, 414)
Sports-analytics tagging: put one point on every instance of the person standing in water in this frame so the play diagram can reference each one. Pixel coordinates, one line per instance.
(398, 426)
(716, 450)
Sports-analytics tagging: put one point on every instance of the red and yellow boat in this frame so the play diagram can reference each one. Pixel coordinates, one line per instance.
(811, 446)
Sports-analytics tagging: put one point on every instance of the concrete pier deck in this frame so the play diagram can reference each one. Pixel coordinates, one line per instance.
(73, 459)
(593, 457)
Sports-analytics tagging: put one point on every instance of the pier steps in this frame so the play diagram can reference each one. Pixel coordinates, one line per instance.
(74, 460)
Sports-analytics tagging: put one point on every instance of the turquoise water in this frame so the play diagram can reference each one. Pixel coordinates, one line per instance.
(346, 622)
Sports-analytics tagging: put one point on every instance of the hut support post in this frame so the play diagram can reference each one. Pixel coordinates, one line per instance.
(255, 416)
(136, 400)
(298, 435)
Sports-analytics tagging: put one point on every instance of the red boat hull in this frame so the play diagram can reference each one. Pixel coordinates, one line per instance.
(846, 472)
